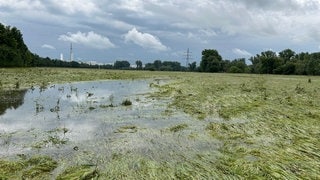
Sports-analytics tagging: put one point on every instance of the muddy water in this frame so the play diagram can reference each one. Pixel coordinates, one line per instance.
(86, 122)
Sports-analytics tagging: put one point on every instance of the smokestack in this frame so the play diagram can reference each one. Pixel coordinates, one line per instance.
(71, 52)
(61, 56)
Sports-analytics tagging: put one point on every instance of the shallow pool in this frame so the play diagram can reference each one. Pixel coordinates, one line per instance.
(86, 122)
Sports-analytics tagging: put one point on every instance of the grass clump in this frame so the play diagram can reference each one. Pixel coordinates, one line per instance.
(127, 129)
(79, 172)
(126, 102)
(178, 127)
(37, 167)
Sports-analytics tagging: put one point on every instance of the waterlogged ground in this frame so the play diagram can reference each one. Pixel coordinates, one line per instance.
(88, 124)
(178, 126)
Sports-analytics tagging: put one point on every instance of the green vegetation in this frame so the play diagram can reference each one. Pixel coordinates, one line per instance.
(30, 77)
(37, 167)
(158, 65)
(13, 51)
(126, 102)
(268, 62)
(267, 127)
(127, 129)
(79, 172)
(178, 127)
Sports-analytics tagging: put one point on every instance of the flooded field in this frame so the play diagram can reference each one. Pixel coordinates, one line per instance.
(157, 125)
(91, 123)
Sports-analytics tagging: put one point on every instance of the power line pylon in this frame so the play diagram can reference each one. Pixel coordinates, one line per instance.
(188, 57)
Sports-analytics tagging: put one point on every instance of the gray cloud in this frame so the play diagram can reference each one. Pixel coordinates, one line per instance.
(220, 24)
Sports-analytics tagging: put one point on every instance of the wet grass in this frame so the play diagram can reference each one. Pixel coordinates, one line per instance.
(268, 127)
(178, 127)
(79, 172)
(127, 129)
(37, 167)
(15, 78)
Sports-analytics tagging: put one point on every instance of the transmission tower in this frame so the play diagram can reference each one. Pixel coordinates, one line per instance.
(188, 57)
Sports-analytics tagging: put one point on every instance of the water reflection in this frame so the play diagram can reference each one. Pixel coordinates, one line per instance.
(87, 119)
(11, 99)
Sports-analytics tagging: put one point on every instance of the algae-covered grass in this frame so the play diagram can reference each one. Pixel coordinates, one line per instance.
(264, 127)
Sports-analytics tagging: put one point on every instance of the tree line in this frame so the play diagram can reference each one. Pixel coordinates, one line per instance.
(268, 62)
(15, 53)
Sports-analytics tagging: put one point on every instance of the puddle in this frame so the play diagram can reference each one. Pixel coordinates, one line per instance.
(86, 121)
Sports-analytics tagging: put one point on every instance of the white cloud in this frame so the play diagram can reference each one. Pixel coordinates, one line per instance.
(74, 6)
(47, 46)
(90, 39)
(144, 40)
(241, 52)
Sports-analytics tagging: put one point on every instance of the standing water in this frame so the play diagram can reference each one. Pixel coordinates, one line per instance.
(88, 122)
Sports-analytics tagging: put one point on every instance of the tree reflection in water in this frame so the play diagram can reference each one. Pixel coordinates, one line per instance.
(11, 99)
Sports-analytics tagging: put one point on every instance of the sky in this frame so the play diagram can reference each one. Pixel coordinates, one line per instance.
(104, 31)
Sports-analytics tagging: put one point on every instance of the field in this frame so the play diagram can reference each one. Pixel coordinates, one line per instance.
(230, 126)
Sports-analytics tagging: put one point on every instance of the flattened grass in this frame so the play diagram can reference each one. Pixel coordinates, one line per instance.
(37, 167)
(269, 125)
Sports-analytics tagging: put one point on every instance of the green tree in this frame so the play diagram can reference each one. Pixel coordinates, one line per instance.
(237, 66)
(265, 63)
(193, 66)
(211, 61)
(13, 51)
(157, 64)
(139, 64)
(313, 64)
(287, 55)
(121, 65)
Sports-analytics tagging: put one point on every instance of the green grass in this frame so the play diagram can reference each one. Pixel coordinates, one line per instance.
(268, 125)
(13, 78)
(37, 167)
(178, 127)
(79, 172)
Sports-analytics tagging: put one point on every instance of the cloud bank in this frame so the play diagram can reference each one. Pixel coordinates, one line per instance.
(233, 27)
(90, 39)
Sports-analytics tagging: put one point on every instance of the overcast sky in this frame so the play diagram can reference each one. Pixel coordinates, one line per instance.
(105, 30)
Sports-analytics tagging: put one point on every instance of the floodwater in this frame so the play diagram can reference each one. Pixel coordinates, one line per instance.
(86, 121)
